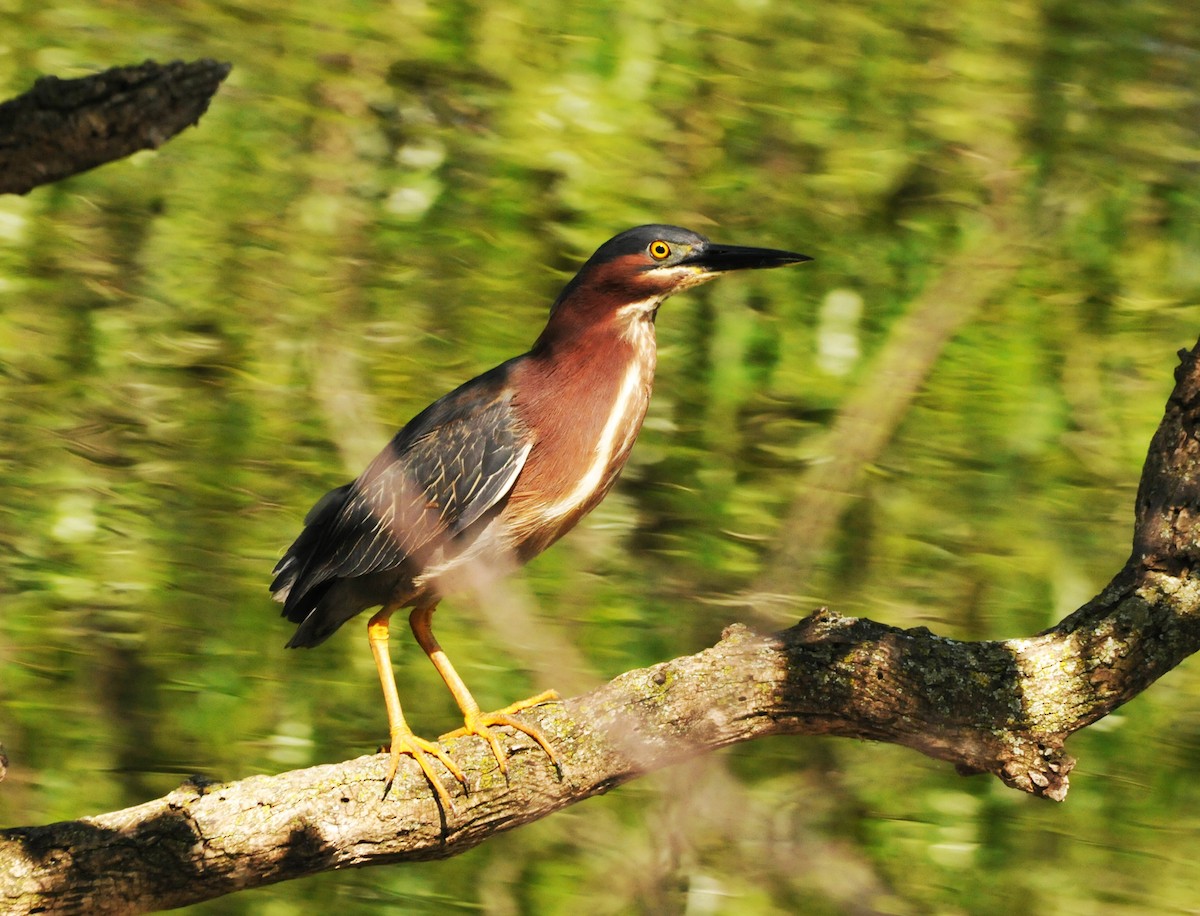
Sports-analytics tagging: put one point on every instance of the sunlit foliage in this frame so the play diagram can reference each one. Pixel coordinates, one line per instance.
(382, 201)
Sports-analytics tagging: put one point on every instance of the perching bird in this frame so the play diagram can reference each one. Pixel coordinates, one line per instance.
(493, 473)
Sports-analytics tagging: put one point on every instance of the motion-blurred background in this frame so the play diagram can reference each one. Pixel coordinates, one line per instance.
(383, 199)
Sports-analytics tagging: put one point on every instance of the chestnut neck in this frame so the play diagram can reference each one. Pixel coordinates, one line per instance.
(601, 302)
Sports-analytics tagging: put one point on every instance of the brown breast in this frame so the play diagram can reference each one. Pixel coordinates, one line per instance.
(586, 400)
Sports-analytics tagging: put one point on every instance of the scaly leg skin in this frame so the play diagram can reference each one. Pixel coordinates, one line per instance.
(403, 741)
(476, 722)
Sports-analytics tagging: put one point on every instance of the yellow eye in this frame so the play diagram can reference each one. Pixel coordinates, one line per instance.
(659, 250)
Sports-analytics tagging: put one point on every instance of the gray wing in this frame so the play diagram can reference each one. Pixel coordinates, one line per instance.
(437, 477)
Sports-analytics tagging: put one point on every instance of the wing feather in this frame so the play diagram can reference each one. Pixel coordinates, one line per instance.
(435, 479)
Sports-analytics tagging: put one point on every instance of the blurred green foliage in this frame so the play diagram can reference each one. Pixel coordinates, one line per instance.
(382, 201)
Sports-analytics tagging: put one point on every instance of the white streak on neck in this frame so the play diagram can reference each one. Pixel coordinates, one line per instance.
(637, 321)
(613, 438)
(644, 308)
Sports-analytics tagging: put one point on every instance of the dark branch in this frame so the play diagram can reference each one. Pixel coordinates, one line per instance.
(1004, 708)
(61, 127)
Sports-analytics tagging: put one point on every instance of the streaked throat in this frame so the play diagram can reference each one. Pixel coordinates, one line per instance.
(616, 437)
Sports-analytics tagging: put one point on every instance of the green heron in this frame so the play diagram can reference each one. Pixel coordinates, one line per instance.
(493, 473)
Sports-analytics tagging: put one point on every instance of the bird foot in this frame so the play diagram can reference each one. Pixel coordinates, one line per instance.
(481, 724)
(546, 696)
(405, 742)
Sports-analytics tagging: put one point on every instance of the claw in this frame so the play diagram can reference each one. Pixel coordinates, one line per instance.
(481, 724)
(474, 721)
(405, 742)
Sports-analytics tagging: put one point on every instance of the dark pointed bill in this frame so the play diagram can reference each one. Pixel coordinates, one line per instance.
(721, 258)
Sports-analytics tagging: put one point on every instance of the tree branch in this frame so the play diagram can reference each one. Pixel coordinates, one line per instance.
(61, 127)
(1004, 708)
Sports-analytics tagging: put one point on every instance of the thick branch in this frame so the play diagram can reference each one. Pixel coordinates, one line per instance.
(999, 707)
(61, 127)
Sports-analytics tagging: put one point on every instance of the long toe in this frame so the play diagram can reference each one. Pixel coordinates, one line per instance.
(421, 750)
(546, 696)
(482, 724)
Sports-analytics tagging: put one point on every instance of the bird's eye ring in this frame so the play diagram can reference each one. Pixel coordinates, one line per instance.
(659, 250)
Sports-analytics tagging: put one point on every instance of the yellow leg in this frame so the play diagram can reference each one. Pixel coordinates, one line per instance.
(403, 741)
(476, 722)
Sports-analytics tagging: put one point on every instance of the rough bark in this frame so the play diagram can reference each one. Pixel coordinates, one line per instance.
(61, 127)
(1004, 708)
